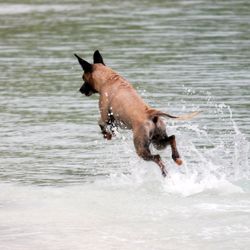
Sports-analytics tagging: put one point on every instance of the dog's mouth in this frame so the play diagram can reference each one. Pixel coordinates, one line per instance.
(87, 90)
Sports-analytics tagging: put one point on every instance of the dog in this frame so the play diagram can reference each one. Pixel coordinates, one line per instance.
(121, 106)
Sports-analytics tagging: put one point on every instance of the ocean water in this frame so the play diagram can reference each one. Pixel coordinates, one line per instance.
(63, 186)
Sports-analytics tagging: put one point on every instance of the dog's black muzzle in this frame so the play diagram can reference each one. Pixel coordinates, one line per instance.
(86, 89)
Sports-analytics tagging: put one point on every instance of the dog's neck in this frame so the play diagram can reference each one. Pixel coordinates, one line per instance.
(105, 75)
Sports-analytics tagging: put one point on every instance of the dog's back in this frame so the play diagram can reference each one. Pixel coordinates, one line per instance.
(120, 104)
(121, 98)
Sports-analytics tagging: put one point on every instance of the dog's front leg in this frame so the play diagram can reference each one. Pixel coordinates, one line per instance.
(105, 120)
(104, 128)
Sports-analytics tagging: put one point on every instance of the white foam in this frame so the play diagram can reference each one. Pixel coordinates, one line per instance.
(147, 176)
(191, 185)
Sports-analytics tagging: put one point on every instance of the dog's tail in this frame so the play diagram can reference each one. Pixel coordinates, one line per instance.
(155, 113)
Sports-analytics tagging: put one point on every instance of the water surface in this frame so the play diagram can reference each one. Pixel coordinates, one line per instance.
(63, 186)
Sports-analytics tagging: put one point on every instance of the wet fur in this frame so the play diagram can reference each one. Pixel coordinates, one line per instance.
(120, 105)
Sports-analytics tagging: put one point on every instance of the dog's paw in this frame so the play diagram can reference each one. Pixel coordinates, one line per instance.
(164, 173)
(178, 161)
(107, 136)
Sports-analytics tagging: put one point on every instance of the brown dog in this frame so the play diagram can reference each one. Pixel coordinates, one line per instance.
(121, 106)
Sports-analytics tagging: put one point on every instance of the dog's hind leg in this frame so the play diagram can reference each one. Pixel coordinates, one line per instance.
(142, 142)
(175, 155)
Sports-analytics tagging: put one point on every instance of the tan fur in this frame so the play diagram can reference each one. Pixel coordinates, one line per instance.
(118, 95)
(120, 104)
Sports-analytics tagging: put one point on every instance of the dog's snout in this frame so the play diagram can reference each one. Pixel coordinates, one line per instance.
(82, 89)
(86, 89)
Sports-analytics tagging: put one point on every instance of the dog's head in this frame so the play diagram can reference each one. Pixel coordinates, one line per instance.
(90, 85)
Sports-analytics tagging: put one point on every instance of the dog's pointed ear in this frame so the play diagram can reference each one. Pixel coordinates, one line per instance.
(87, 67)
(98, 57)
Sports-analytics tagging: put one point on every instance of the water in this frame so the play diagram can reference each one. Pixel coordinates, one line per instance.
(63, 186)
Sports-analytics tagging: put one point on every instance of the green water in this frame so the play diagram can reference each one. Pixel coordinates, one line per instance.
(180, 55)
(64, 187)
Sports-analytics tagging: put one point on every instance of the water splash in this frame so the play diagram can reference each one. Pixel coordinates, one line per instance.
(241, 151)
(191, 185)
(211, 163)
(215, 166)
